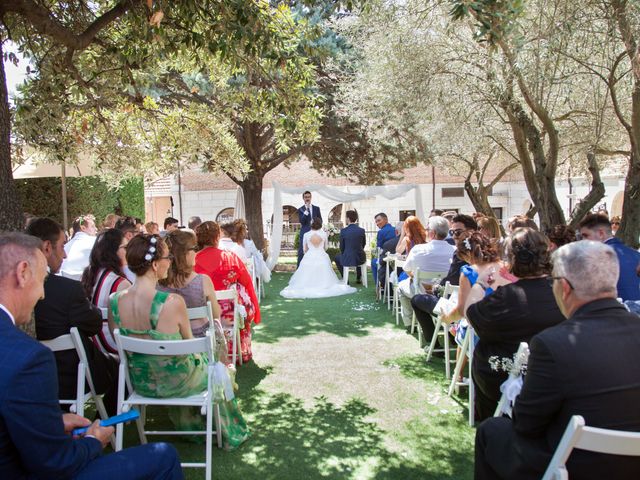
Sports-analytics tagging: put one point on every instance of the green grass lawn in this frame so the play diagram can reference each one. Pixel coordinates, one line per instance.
(337, 390)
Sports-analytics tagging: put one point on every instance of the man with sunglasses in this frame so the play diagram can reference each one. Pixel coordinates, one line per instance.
(582, 366)
(423, 304)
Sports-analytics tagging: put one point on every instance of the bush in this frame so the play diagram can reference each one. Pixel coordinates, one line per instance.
(296, 240)
(43, 197)
(332, 252)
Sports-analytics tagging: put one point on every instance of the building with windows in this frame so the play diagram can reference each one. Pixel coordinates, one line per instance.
(213, 197)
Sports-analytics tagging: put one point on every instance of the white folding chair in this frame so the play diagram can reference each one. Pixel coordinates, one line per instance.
(521, 359)
(238, 323)
(397, 309)
(466, 350)
(203, 400)
(592, 439)
(420, 277)
(72, 341)
(206, 311)
(390, 259)
(363, 273)
(442, 329)
(251, 268)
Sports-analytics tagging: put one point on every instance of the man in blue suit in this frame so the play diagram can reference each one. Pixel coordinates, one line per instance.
(598, 227)
(35, 439)
(306, 213)
(386, 233)
(352, 242)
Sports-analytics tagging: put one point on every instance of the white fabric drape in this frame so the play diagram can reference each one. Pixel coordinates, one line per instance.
(389, 192)
(238, 209)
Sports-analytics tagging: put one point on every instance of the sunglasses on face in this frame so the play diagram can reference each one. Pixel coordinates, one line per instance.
(457, 232)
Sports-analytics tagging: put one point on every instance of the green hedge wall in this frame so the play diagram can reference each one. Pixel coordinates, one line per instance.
(43, 197)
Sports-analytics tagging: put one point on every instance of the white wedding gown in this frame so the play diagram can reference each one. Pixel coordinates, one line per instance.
(315, 277)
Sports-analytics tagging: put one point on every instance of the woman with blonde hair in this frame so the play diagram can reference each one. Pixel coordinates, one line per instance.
(489, 227)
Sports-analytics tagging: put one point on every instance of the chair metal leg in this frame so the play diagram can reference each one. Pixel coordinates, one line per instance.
(459, 363)
(447, 352)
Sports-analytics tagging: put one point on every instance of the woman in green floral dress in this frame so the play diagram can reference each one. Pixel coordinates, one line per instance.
(142, 311)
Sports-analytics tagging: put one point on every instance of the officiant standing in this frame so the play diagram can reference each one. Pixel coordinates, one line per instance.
(306, 213)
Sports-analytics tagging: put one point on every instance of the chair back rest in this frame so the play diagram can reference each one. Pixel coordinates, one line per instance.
(105, 314)
(204, 311)
(145, 346)
(229, 294)
(601, 440)
(426, 275)
(59, 344)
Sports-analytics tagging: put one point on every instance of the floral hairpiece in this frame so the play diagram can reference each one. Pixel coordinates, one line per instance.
(151, 250)
(467, 244)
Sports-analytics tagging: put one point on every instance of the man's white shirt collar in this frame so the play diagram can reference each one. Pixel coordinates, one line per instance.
(4, 309)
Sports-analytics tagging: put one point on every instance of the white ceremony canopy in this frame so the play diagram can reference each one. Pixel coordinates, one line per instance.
(390, 192)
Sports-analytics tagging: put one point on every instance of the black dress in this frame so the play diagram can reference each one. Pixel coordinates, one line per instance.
(512, 314)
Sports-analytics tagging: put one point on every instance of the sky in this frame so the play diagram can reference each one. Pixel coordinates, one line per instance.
(15, 75)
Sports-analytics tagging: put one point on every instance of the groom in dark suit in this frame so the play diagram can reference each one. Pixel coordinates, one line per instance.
(306, 213)
(352, 242)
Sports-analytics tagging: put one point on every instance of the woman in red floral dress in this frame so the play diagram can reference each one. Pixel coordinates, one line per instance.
(227, 270)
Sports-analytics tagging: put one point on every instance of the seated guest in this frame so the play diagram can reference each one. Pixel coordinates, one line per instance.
(152, 228)
(143, 311)
(35, 436)
(65, 306)
(513, 313)
(520, 221)
(227, 233)
(110, 221)
(386, 232)
(129, 228)
(597, 227)
(615, 224)
(241, 237)
(226, 270)
(489, 227)
(79, 247)
(582, 366)
(434, 256)
(104, 276)
(388, 247)
(560, 235)
(170, 224)
(194, 222)
(195, 288)
(423, 304)
(413, 233)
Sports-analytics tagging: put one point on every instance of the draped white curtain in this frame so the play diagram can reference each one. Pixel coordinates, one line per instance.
(238, 209)
(390, 192)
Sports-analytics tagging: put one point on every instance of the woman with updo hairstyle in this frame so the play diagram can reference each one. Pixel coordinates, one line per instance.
(226, 270)
(228, 242)
(104, 276)
(241, 237)
(413, 233)
(143, 311)
(513, 313)
(489, 227)
(560, 235)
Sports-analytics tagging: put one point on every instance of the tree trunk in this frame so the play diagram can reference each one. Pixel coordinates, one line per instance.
(593, 197)
(252, 191)
(479, 198)
(10, 207)
(630, 227)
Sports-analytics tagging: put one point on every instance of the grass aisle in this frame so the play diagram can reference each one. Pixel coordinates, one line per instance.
(337, 390)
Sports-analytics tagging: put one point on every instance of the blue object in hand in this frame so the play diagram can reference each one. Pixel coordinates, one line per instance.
(111, 421)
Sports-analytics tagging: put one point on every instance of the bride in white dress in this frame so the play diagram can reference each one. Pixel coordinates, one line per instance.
(315, 277)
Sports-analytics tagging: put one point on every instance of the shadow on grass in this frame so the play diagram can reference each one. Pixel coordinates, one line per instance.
(292, 441)
(347, 315)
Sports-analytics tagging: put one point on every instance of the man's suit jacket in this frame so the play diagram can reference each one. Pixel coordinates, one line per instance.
(33, 443)
(586, 365)
(352, 242)
(65, 306)
(305, 220)
(628, 259)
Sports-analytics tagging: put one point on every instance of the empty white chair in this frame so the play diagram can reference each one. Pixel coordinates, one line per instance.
(363, 273)
(238, 322)
(521, 359)
(203, 400)
(72, 341)
(601, 440)
(397, 309)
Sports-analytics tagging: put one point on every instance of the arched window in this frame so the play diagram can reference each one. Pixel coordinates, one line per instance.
(335, 215)
(225, 215)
